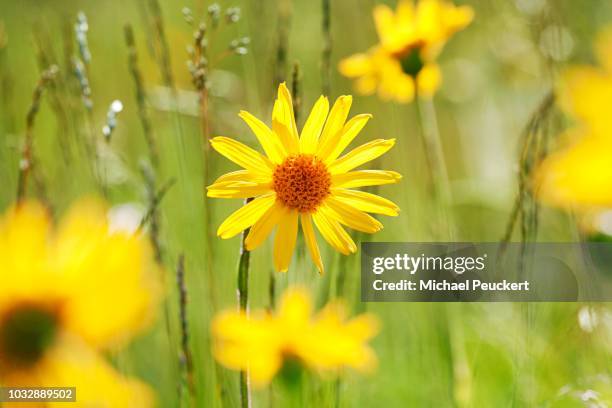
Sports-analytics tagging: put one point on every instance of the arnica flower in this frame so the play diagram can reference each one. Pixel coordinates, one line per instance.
(403, 63)
(263, 344)
(65, 295)
(579, 175)
(303, 178)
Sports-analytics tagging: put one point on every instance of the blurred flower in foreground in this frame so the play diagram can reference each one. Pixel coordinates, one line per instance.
(303, 178)
(264, 344)
(403, 64)
(580, 175)
(66, 294)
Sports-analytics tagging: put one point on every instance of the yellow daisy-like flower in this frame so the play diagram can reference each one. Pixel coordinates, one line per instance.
(580, 175)
(67, 293)
(303, 178)
(403, 63)
(261, 344)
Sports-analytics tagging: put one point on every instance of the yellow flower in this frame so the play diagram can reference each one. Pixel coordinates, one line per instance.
(66, 294)
(303, 178)
(577, 176)
(263, 343)
(580, 174)
(403, 63)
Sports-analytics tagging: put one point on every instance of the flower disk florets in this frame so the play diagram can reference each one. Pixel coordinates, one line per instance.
(301, 182)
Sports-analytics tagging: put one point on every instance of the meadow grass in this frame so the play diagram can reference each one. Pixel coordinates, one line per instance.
(496, 75)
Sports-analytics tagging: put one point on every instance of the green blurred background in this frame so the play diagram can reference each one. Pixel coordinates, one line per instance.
(495, 74)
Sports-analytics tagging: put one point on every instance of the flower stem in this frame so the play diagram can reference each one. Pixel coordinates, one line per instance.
(438, 175)
(243, 298)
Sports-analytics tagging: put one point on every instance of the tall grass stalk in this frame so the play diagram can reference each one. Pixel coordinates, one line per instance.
(6, 81)
(56, 98)
(444, 223)
(80, 66)
(438, 175)
(151, 217)
(163, 50)
(140, 95)
(282, 48)
(27, 158)
(199, 73)
(533, 148)
(326, 51)
(71, 90)
(186, 360)
(296, 91)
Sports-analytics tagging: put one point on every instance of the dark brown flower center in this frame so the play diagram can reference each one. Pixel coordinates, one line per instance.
(301, 182)
(411, 60)
(26, 332)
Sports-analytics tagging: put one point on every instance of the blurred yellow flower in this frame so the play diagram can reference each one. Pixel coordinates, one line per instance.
(261, 344)
(403, 63)
(67, 293)
(303, 178)
(580, 175)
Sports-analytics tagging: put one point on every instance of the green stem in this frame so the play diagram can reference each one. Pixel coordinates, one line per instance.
(243, 299)
(438, 174)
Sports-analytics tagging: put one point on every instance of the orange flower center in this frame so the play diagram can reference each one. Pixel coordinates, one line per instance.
(301, 182)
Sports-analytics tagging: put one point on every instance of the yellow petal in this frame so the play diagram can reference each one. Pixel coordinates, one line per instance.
(438, 21)
(361, 155)
(429, 80)
(366, 85)
(362, 178)
(238, 189)
(295, 308)
(351, 217)
(283, 115)
(356, 65)
(405, 13)
(246, 216)
(112, 278)
(367, 202)
(405, 88)
(71, 363)
(263, 227)
(286, 236)
(603, 48)
(457, 18)
(392, 82)
(313, 126)
(311, 241)
(586, 92)
(364, 326)
(333, 233)
(285, 134)
(384, 21)
(580, 175)
(269, 140)
(335, 343)
(242, 155)
(336, 119)
(248, 343)
(24, 235)
(429, 20)
(336, 145)
(244, 175)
